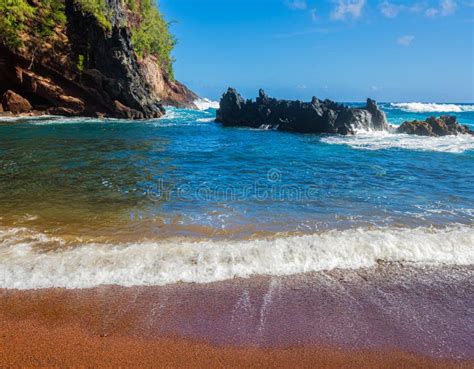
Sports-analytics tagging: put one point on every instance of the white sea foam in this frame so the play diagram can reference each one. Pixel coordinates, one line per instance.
(24, 118)
(204, 104)
(24, 266)
(365, 140)
(417, 107)
(55, 119)
(175, 116)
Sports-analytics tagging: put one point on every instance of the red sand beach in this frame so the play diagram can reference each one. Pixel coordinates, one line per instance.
(374, 318)
(31, 343)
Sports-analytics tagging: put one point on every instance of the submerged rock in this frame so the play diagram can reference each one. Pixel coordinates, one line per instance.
(432, 126)
(305, 117)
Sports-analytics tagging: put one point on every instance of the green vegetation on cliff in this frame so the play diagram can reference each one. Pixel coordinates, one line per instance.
(13, 17)
(49, 16)
(152, 36)
(149, 30)
(99, 9)
(18, 17)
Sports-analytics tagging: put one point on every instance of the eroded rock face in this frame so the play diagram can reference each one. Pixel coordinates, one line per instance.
(314, 117)
(110, 62)
(442, 126)
(15, 103)
(169, 92)
(87, 70)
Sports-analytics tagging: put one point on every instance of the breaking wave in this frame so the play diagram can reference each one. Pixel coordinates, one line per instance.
(26, 265)
(365, 140)
(205, 104)
(417, 107)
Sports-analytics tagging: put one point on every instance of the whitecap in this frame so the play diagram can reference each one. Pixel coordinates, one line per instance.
(418, 107)
(205, 104)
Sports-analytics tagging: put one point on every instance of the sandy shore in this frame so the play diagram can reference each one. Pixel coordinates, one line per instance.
(378, 318)
(32, 344)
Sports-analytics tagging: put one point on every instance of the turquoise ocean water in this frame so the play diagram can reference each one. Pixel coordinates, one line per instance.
(185, 199)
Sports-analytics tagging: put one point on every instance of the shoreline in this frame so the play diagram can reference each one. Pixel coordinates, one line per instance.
(387, 316)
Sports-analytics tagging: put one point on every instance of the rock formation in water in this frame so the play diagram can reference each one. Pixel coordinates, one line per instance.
(432, 126)
(305, 117)
(79, 57)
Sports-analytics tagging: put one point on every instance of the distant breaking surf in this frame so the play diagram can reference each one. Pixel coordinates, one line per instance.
(418, 107)
(204, 104)
(365, 140)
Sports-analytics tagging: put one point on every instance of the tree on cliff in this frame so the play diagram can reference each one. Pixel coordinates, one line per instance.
(151, 35)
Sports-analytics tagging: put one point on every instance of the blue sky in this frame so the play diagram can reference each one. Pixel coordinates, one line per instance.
(345, 50)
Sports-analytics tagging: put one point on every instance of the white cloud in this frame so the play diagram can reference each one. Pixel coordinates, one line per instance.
(347, 9)
(314, 15)
(446, 7)
(431, 12)
(406, 40)
(417, 7)
(296, 4)
(389, 9)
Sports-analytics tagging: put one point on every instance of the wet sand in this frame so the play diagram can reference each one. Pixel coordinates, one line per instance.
(31, 344)
(389, 316)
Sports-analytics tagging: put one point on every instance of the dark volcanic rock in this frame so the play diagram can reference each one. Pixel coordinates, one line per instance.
(15, 103)
(111, 64)
(313, 117)
(442, 126)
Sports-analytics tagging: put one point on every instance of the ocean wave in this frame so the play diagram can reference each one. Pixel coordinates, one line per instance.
(365, 140)
(205, 120)
(417, 107)
(205, 104)
(23, 265)
(176, 116)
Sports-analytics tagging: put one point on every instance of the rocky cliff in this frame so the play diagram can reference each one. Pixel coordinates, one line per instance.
(312, 117)
(88, 57)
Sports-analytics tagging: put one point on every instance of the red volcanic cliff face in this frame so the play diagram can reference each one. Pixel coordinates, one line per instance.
(86, 69)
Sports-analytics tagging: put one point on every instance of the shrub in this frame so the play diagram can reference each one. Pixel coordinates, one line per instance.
(17, 16)
(13, 20)
(80, 63)
(99, 9)
(50, 15)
